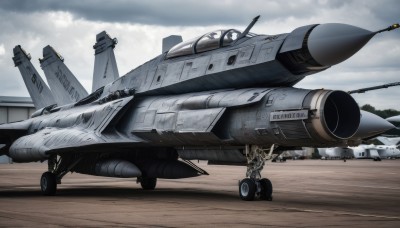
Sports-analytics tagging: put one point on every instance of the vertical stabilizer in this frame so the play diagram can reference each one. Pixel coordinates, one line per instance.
(105, 65)
(170, 41)
(37, 88)
(66, 88)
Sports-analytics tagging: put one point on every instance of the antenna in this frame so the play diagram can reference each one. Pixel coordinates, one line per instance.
(390, 28)
(363, 90)
(244, 33)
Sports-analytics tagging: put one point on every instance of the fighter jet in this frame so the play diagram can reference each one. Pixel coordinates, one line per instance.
(225, 97)
(335, 153)
(37, 88)
(105, 66)
(65, 86)
(375, 152)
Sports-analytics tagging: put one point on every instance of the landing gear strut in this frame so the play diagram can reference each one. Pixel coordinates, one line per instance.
(253, 185)
(57, 168)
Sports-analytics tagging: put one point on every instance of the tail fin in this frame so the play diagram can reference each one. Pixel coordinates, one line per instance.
(37, 88)
(105, 65)
(66, 88)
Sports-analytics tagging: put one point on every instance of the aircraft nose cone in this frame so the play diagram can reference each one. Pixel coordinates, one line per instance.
(393, 119)
(330, 44)
(372, 125)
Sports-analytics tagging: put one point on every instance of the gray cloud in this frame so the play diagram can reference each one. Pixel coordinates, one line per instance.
(206, 12)
(70, 27)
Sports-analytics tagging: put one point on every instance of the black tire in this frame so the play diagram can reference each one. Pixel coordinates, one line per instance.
(48, 184)
(266, 189)
(148, 183)
(247, 189)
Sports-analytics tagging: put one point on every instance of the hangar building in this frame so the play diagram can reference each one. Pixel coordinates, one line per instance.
(14, 109)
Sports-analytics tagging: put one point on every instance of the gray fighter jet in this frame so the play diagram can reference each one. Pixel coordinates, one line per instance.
(225, 97)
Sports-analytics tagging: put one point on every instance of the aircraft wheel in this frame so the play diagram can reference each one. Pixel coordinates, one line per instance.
(266, 189)
(48, 184)
(148, 183)
(247, 189)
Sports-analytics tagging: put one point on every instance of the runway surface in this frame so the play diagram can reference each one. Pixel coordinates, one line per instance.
(309, 193)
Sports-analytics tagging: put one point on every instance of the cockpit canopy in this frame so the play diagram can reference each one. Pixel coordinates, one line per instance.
(207, 42)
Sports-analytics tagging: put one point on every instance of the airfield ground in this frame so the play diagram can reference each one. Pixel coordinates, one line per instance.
(309, 193)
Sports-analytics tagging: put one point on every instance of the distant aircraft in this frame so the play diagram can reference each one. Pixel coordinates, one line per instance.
(225, 96)
(360, 152)
(105, 66)
(335, 153)
(366, 151)
(37, 88)
(371, 151)
(65, 86)
(376, 152)
(386, 151)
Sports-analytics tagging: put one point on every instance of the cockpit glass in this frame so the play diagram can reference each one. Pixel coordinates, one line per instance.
(209, 41)
(230, 37)
(184, 48)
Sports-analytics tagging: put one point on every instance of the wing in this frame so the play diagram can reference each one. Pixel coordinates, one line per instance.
(42, 144)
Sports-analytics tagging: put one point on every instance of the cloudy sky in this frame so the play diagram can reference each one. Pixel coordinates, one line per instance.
(71, 26)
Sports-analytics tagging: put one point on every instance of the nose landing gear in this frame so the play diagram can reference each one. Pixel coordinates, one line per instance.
(57, 169)
(253, 185)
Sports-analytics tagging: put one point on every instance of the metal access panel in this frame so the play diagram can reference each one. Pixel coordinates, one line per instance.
(195, 68)
(173, 74)
(202, 120)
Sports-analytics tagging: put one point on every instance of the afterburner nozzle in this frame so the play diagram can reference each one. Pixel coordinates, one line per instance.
(330, 44)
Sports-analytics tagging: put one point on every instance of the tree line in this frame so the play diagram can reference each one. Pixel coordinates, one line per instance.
(382, 113)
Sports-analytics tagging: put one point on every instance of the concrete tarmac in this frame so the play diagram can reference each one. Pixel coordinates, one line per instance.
(309, 193)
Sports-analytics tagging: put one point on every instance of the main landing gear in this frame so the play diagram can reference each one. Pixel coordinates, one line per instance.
(147, 183)
(253, 185)
(48, 184)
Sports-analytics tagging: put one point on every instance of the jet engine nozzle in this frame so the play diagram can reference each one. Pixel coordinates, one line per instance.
(330, 44)
(336, 114)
